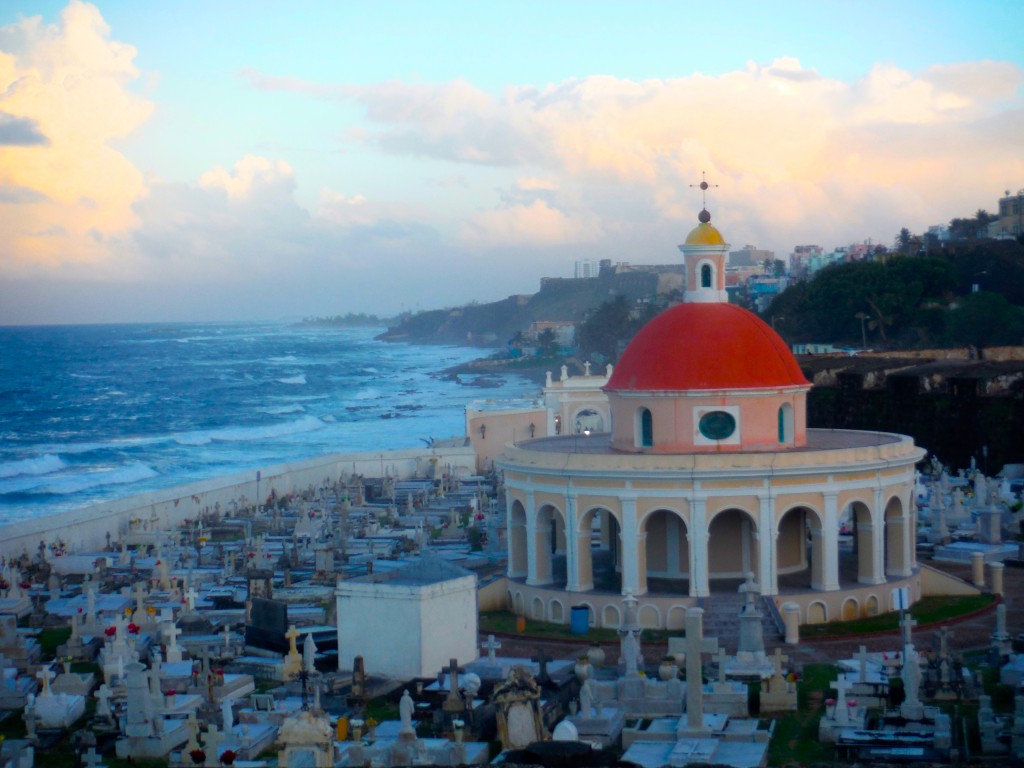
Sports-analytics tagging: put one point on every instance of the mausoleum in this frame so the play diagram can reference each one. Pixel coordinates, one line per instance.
(706, 472)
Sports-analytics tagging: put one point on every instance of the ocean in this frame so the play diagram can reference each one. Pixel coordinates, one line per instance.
(98, 412)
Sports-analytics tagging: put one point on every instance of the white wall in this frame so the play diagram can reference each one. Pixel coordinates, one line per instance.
(405, 631)
(86, 529)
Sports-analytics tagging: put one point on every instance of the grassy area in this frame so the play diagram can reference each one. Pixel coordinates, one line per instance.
(929, 610)
(795, 739)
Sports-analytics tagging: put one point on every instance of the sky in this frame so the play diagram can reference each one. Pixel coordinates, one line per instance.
(228, 160)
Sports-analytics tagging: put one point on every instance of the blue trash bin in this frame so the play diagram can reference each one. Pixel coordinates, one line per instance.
(579, 619)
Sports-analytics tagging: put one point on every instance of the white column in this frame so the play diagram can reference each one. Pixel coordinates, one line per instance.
(509, 537)
(879, 537)
(630, 551)
(768, 579)
(830, 542)
(699, 582)
(572, 560)
(532, 577)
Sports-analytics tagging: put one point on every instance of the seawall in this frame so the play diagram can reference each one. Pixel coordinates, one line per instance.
(86, 529)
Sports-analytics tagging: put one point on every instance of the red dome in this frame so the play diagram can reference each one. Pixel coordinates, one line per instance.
(706, 346)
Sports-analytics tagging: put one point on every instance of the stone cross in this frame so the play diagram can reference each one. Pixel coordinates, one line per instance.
(944, 634)
(293, 635)
(140, 595)
(778, 659)
(862, 657)
(211, 743)
(193, 732)
(695, 645)
(491, 646)
(190, 599)
(45, 675)
(91, 759)
(103, 696)
(453, 684)
(907, 624)
(226, 634)
(842, 712)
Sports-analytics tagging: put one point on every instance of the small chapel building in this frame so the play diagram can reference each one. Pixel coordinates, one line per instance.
(708, 473)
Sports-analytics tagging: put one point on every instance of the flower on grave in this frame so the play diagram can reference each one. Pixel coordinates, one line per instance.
(479, 515)
(792, 677)
(171, 692)
(133, 628)
(830, 702)
(198, 756)
(110, 631)
(4, 584)
(25, 585)
(228, 756)
(851, 703)
(149, 609)
(127, 611)
(158, 562)
(80, 610)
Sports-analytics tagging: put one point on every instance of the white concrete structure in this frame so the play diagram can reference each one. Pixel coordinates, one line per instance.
(408, 622)
(707, 472)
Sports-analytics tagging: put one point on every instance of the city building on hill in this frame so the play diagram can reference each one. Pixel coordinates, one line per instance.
(1011, 215)
(706, 475)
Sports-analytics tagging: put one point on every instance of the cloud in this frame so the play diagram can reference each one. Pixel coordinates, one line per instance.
(20, 132)
(65, 96)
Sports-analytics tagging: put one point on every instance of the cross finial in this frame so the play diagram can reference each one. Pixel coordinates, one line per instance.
(704, 216)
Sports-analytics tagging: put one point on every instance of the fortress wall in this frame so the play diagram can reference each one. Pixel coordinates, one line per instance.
(86, 529)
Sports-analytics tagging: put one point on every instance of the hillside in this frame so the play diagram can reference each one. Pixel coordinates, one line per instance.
(493, 324)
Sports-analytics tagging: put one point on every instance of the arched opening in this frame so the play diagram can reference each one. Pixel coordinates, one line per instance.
(599, 551)
(517, 550)
(556, 612)
(706, 276)
(667, 558)
(800, 554)
(851, 611)
(786, 424)
(588, 420)
(863, 541)
(817, 613)
(550, 546)
(610, 616)
(645, 428)
(732, 549)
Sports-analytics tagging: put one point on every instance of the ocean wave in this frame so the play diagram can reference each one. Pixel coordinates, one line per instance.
(249, 434)
(300, 379)
(280, 410)
(37, 465)
(283, 359)
(63, 485)
(369, 393)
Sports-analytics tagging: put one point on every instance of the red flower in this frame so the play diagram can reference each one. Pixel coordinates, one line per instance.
(171, 692)
(110, 631)
(198, 756)
(134, 628)
(228, 756)
(26, 585)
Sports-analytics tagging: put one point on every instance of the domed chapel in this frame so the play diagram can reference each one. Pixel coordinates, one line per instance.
(709, 474)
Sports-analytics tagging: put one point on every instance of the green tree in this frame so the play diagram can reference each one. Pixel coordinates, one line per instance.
(985, 319)
(547, 344)
(606, 326)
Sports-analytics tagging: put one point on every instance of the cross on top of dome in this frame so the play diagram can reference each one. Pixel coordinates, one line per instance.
(704, 217)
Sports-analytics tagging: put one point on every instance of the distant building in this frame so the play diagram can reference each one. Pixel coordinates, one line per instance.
(749, 256)
(1011, 215)
(586, 268)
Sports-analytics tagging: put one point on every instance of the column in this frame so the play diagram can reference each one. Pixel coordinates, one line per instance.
(768, 578)
(867, 565)
(572, 558)
(630, 553)
(878, 545)
(699, 582)
(533, 577)
(830, 543)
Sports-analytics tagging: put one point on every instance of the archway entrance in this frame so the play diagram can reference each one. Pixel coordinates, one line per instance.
(732, 549)
(667, 547)
(550, 547)
(800, 554)
(600, 551)
(517, 547)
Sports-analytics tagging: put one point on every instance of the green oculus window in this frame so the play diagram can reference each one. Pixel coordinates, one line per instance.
(717, 425)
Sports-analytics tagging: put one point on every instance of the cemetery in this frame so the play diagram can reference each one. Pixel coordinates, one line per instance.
(333, 630)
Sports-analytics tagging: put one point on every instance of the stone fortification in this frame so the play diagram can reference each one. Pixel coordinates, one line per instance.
(87, 528)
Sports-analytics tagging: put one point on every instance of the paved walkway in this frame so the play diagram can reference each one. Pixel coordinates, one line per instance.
(968, 634)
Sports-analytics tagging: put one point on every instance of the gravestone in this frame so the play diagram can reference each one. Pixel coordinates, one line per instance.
(517, 706)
